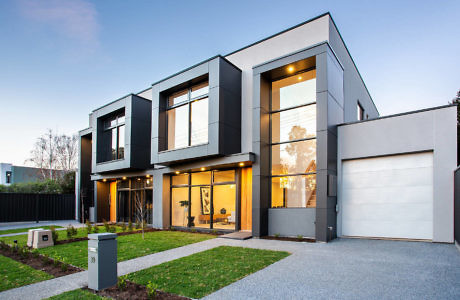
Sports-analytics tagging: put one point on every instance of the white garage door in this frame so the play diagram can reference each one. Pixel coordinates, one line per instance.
(389, 196)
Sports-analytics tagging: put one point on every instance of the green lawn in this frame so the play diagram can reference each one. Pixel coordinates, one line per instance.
(129, 246)
(18, 230)
(202, 273)
(77, 294)
(15, 274)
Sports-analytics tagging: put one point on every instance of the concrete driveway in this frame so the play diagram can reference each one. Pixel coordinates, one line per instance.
(353, 269)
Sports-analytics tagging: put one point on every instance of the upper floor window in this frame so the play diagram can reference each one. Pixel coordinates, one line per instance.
(293, 141)
(114, 131)
(360, 112)
(187, 114)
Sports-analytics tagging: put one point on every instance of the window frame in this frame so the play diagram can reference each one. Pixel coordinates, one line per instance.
(187, 102)
(360, 111)
(211, 185)
(108, 130)
(271, 144)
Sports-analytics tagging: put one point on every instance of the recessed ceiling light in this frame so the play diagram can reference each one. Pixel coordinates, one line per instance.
(104, 180)
(203, 168)
(177, 172)
(241, 164)
(300, 77)
(291, 69)
(148, 175)
(124, 177)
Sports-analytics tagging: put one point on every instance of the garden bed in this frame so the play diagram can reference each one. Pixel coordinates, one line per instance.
(134, 291)
(38, 261)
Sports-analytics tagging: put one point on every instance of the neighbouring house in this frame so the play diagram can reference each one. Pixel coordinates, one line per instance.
(278, 138)
(10, 174)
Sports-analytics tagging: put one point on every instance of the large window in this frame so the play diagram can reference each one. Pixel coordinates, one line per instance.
(187, 115)
(114, 131)
(204, 200)
(293, 141)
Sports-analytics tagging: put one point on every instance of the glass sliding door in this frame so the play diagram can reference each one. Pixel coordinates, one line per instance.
(179, 206)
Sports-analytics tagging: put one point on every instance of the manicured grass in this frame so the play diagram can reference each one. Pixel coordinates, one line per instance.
(14, 274)
(77, 294)
(202, 273)
(18, 230)
(129, 246)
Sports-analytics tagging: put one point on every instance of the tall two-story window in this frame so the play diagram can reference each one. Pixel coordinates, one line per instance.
(114, 129)
(187, 115)
(293, 141)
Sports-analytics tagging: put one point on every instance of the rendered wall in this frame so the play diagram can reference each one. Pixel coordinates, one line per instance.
(431, 130)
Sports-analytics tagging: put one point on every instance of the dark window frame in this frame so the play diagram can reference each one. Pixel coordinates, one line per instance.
(271, 144)
(108, 130)
(187, 102)
(361, 111)
(211, 185)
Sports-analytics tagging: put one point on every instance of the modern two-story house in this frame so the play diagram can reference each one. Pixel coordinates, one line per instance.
(278, 138)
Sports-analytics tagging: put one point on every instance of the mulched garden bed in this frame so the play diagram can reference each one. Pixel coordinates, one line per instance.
(291, 239)
(38, 261)
(134, 291)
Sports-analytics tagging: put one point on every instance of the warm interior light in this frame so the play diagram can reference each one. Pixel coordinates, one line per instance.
(203, 168)
(241, 164)
(148, 181)
(138, 179)
(104, 180)
(300, 77)
(291, 69)
(177, 172)
(124, 177)
(148, 175)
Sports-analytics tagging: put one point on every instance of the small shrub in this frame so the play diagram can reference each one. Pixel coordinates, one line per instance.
(122, 283)
(214, 231)
(3, 245)
(151, 290)
(74, 231)
(89, 227)
(106, 225)
(24, 252)
(64, 266)
(46, 259)
(130, 226)
(193, 230)
(54, 234)
(138, 225)
(112, 229)
(277, 235)
(123, 226)
(299, 237)
(35, 254)
(96, 229)
(172, 228)
(69, 231)
(56, 262)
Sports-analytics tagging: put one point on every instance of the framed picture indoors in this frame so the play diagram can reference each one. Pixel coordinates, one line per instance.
(205, 197)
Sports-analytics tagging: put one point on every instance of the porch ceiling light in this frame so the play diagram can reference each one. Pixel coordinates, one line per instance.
(124, 177)
(203, 168)
(290, 69)
(241, 164)
(177, 172)
(300, 77)
(104, 180)
(148, 175)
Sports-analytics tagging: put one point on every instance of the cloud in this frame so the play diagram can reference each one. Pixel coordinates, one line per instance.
(74, 19)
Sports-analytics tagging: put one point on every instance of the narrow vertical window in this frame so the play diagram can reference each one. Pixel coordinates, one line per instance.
(360, 112)
(114, 137)
(293, 141)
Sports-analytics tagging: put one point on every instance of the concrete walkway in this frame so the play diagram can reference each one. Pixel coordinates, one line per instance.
(343, 269)
(19, 225)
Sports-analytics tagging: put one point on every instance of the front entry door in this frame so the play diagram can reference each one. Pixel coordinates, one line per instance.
(113, 201)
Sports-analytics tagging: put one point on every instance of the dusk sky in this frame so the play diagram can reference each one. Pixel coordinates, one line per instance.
(59, 59)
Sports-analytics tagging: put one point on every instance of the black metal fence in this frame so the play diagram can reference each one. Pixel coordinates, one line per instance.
(16, 207)
(457, 205)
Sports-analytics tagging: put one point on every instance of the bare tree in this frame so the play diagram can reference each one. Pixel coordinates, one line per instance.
(140, 209)
(54, 152)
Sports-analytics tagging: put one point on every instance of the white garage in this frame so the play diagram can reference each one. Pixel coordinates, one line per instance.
(388, 196)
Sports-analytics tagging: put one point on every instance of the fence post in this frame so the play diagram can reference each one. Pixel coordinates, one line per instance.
(37, 199)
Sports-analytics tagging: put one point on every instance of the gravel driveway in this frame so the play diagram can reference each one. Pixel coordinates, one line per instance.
(353, 269)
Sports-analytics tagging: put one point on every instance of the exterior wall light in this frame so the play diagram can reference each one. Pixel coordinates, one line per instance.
(203, 168)
(241, 164)
(124, 177)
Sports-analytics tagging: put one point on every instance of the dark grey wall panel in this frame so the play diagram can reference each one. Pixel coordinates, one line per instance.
(292, 222)
(224, 112)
